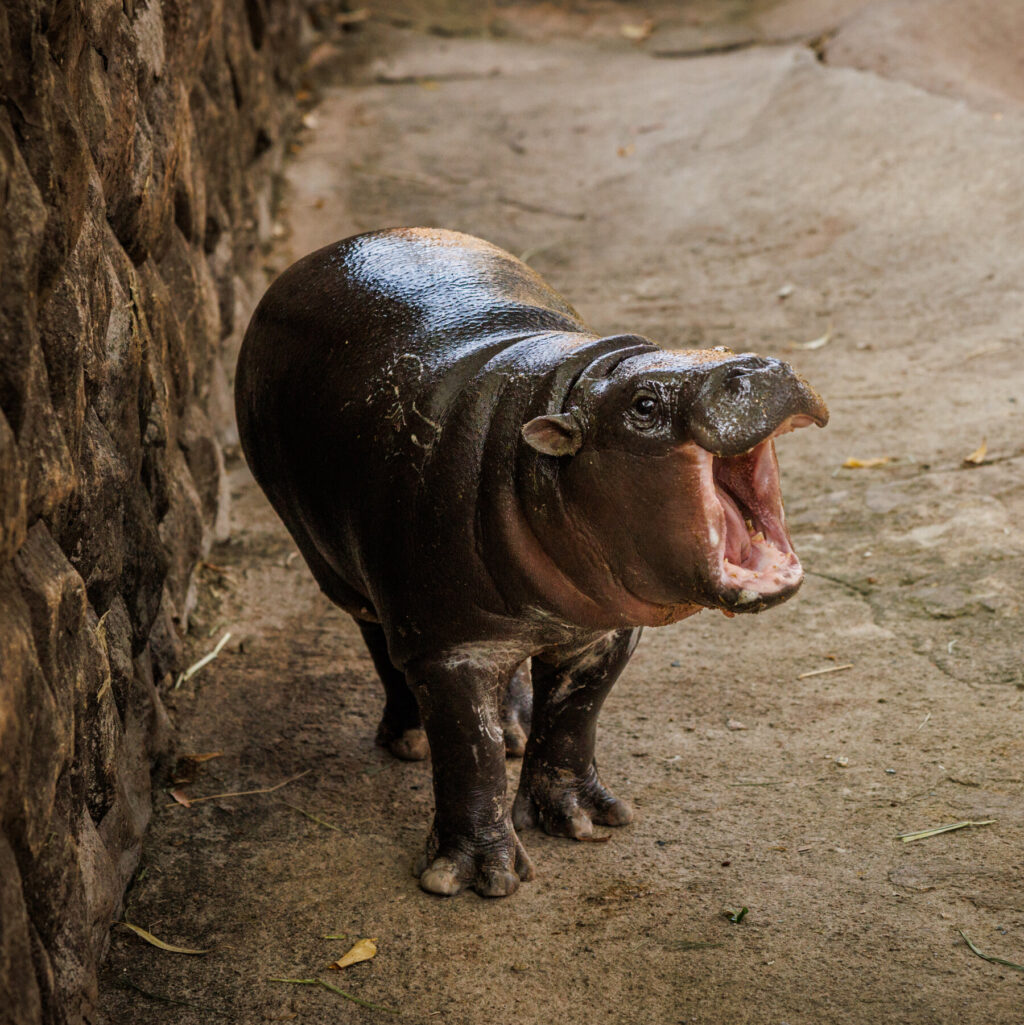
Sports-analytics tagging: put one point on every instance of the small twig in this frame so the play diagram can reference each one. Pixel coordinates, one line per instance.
(923, 834)
(865, 396)
(827, 669)
(864, 592)
(963, 782)
(535, 208)
(985, 350)
(764, 783)
(340, 992)
(528, 254)
(171, 1000)
(923, 724)
(310, 815)
(247, 793)
(960, 468)
(989, 957)
(205, 660)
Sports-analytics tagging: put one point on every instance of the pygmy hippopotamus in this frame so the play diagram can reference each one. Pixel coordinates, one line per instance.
(485, 484)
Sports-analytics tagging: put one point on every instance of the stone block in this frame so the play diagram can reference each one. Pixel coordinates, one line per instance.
(19, 990)
(138, 145)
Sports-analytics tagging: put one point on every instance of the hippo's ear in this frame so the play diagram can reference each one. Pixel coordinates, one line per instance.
(556, 435)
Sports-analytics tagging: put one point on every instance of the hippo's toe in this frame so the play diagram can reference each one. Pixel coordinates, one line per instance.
(442, 878)
(493, 870)
(410, 744)
(568, 807)
(515, 739)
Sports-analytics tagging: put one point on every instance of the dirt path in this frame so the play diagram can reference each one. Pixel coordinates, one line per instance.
(680, 198)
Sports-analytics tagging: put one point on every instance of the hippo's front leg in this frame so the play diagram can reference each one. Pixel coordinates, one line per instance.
(472, 842)
(559, 788)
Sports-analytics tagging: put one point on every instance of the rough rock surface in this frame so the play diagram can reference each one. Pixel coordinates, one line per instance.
(138, 147)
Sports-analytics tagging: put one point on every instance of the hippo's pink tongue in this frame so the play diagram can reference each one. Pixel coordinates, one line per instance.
(737, 537)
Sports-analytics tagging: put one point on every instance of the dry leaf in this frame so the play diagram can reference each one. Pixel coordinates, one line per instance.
(181, 798)
(353, 17)
(977, 457)
(626, 151)
(638, 32)
(866, 464)
(814, 343)
(363, 950)
(735, 724)
(150, 938)
(203, 757)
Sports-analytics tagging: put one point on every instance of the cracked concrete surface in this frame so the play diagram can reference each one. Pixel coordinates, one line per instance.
(679, 198)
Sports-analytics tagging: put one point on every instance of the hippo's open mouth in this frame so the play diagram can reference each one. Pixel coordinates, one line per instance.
(752, 561)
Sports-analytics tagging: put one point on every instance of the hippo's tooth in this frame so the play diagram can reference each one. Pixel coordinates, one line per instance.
(746, 596)
(759, 536)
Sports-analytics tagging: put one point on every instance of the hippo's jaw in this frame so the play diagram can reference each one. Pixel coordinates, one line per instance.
(751, 560)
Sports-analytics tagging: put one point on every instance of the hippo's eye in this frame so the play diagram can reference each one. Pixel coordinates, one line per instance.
(645, 405)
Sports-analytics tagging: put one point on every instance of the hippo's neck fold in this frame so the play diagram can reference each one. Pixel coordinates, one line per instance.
(532, 547)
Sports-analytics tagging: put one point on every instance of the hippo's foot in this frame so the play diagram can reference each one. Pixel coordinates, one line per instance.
(494, 866)
(565, 805)
(516, 711)
(406, 742)
(515, 739)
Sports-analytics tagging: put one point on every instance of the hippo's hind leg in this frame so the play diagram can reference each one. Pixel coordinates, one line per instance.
(401, 729)
(472, 842)
(559, 788)
(517, 711)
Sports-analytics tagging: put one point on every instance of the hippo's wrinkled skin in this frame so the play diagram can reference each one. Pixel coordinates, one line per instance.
(480, 481)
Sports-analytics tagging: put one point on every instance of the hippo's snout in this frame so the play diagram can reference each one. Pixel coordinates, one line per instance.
(747, 399)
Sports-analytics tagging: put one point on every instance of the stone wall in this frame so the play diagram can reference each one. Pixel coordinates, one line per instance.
(139, 141)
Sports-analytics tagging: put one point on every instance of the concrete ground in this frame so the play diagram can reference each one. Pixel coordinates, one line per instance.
(836, 183)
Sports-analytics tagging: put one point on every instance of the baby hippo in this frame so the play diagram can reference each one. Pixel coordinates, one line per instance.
(485, 484)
